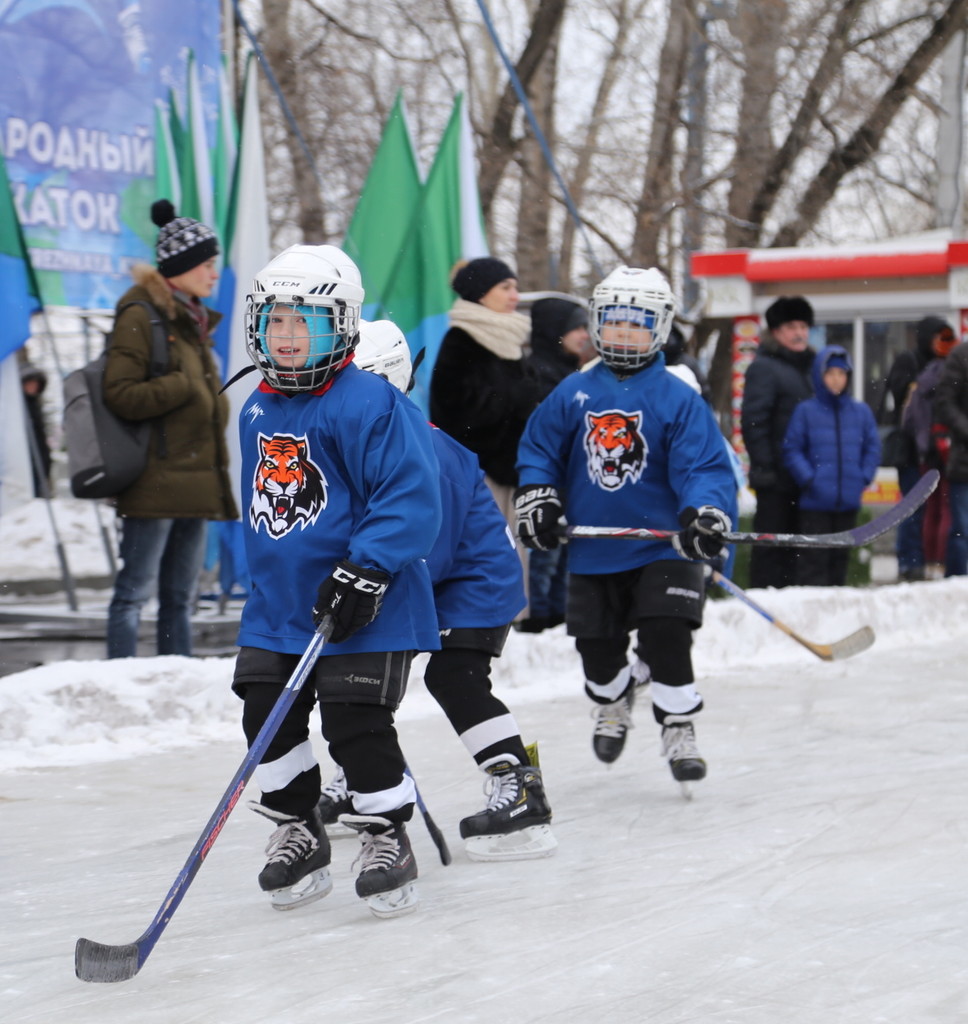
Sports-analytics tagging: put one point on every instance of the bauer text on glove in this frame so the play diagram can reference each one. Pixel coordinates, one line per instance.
(702, 532)
(538, 510)
(352, 595)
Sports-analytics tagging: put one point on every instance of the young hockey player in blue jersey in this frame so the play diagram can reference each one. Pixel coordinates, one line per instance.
(478, 589)
(628, 444)
(339, 488)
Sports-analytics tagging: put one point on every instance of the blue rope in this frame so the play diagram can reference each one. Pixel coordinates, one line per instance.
(539, 135)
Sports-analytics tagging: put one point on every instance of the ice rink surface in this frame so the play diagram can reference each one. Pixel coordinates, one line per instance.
(819, 875)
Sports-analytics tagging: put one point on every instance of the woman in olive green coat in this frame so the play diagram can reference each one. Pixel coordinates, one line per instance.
(186, 481)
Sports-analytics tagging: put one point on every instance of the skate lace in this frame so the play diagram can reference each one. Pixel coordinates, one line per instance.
(378, 851)
(501, 790)
(290, 842)
(679, 742)
(335, 789)
(613, 719)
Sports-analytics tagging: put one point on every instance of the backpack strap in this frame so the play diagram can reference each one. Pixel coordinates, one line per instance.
(158, 366)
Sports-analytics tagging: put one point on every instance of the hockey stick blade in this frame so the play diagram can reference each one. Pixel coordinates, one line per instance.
(846, 647)
(99, 962)
(855, 537)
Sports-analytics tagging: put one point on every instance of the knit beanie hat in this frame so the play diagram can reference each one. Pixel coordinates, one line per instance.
(787, 308)
(577, 318)
(183, 243)
(838, 359)
(477, 277)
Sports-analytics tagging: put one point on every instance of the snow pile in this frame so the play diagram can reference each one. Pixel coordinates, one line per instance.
(80, 712)
(29, 534)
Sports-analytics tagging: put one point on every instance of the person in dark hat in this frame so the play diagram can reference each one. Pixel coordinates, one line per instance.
(186, 480)
(777, 380)
(481, 389)
(33, 381)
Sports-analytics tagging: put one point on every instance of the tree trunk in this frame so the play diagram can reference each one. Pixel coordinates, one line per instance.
(760, 28)
(498, 145)
(279, 45)
(658, 188)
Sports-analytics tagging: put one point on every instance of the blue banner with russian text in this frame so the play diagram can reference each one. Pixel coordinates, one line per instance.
(81, 83)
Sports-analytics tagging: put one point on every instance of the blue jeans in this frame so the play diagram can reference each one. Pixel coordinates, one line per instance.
(957, 560)
(162, 553)
(909, 546)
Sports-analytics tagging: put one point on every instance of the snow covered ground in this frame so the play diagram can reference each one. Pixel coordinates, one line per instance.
(819, 876)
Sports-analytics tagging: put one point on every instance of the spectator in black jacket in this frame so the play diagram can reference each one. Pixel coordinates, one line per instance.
(481, 390)
(777, 380)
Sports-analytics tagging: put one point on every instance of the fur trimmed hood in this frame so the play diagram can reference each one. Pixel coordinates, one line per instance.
(160, 294)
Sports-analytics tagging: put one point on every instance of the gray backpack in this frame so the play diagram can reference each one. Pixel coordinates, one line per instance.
(106, 454)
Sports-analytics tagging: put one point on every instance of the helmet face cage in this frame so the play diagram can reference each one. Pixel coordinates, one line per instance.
(383, 350)
(302, 316)
(631, 301)
(298, 345)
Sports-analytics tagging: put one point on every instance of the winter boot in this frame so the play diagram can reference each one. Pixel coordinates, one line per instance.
(515, 824)
(387, 866)
(297, 870)
(679, 748)
(334, 801)
(612, 723)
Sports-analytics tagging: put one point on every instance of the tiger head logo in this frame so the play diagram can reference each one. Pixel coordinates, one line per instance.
(615, 448)
(289, 489)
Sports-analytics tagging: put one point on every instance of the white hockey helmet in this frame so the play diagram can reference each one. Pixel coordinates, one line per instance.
(302, 316)
(383, 350)
(636, 296)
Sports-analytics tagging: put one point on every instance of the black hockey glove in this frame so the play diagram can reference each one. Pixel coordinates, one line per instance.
(701, 536)
(352, 595)
(538, 510)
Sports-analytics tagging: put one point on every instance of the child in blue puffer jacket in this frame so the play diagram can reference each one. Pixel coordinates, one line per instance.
(832, 450)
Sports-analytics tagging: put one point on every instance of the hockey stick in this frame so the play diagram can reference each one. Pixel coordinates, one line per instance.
(435, 834)
(847, 647)
(95, 961)
(854, 537)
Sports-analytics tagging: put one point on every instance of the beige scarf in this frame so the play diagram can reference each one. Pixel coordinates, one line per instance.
(504, 334)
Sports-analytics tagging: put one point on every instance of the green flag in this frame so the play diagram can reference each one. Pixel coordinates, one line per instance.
(226, 150)
(385, 209)
(445, 227)
(167, 183)
(193, 158)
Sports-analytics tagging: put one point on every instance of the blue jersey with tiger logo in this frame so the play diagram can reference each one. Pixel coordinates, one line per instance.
(631, 451)
(476, 572)
(349, 474)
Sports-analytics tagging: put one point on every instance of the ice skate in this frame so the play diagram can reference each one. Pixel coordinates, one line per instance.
(297, 871)
(334, 801)
(516, 823)
(612, 723)
(679, 748)
(387, 866)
